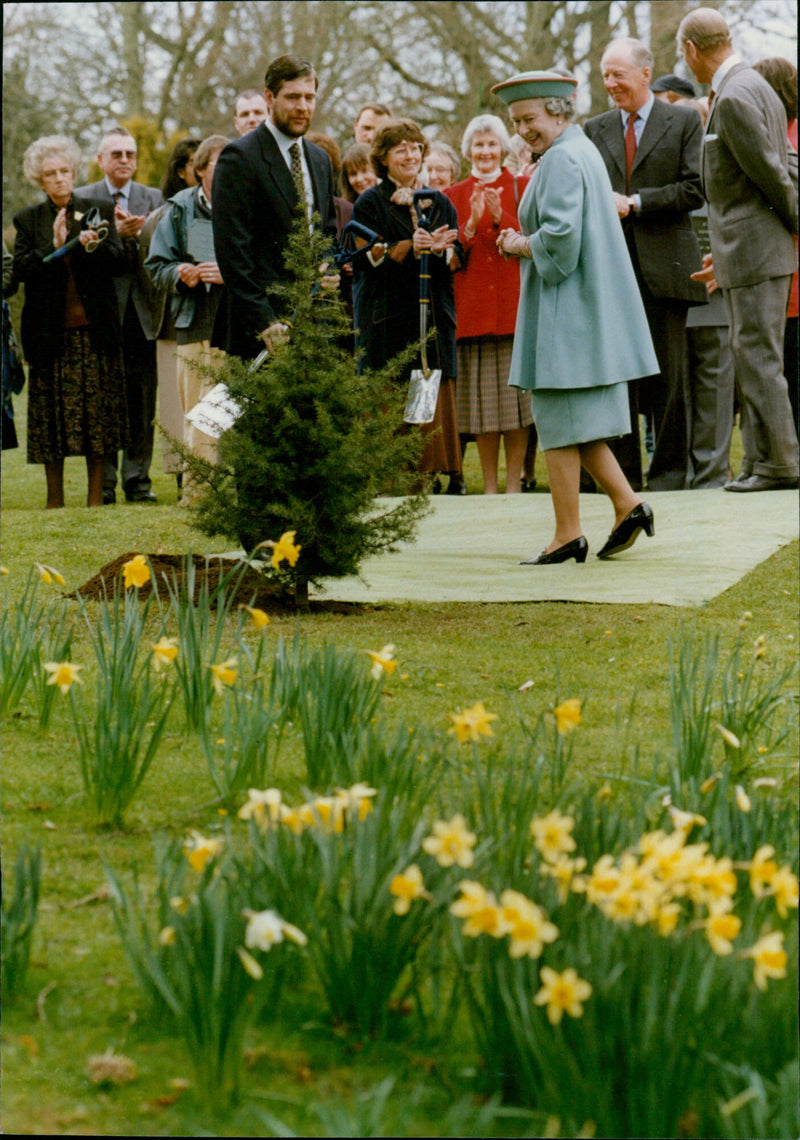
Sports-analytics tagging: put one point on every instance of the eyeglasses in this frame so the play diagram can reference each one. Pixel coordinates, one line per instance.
(122, 153)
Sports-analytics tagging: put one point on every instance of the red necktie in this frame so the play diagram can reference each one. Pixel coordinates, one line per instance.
(630, 149)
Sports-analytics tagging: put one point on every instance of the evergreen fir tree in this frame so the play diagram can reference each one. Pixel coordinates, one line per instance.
(316, 443)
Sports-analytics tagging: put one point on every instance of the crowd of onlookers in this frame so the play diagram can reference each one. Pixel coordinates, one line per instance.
(128, 288)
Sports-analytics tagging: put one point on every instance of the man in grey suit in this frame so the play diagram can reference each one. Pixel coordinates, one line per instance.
(752, 219)
(651, 150)
(132, 203)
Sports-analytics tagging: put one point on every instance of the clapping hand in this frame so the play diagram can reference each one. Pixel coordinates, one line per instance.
(128, 225)
(437, 241)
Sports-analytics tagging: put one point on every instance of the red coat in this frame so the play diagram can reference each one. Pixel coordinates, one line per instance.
(487, 288)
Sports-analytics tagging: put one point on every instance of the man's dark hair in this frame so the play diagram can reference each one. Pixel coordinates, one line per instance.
(392, 134)
(376, 108)
(286, 68)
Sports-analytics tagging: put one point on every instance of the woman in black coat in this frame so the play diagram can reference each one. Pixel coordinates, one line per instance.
(70, 327)
(387, 284)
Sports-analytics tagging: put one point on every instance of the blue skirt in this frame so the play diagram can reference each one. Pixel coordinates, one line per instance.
(565, 417)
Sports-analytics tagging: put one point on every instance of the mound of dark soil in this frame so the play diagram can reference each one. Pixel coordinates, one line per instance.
(248, 587)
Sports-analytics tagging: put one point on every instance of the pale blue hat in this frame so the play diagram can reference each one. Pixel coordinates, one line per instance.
(535, 85)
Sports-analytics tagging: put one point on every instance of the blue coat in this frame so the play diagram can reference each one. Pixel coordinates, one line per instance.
(580, 320)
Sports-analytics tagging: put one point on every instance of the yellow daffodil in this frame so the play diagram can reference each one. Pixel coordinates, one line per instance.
(742, 799)
(264, 807)
(769, 958)
(528, 925)
(166, 936)
(563, 870)
(49, 575)
(730, 738)
(357, 800)
(784, 887)
(63, 673)
(165, 651)
(406, 887)
(721, 929)
(472, 723)
(3, 571)
(562, 993)
(285, 550)
(480, 910)
(551, 835)
(710, 782)
(224, 674)
(136, 572)
(451, 842)
(759, 646)
(198, 850)
(265, 928)
(258, 617)
(762, 870)
(568, 715)
(685, 820)
(666, 918)
(329, 813)
(711, 882)
(603, 881)
(250, 964)
(382, 662)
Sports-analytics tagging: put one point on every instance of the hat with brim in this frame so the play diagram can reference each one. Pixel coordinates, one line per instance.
(673, 83)
(535, 85)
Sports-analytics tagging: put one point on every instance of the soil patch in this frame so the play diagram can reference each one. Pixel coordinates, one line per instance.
(248, 587)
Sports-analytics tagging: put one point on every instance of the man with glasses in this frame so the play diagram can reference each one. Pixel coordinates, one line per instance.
(132, 203)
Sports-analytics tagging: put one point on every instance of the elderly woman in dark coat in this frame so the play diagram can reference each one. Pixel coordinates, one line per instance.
(388, 279)
(70, 327)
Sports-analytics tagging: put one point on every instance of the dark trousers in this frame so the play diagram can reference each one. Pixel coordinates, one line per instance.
(666, 397)
(141, 383)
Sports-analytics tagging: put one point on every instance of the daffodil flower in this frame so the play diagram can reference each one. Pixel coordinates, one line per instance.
(136, 572)
(165, 650)
(451, 842)
(721, 929)
(568, 715)
(406, 887)
(742, 799)
(48, 574)
(784, 888)
(710, 782)
(265, 807)
(258, 617)
(472, 723)
(250, 964)
(166, 936)
(266, 928)
(759, 646)
(762, 869)
(285, 550)
(730, 738)
(3, 571)
(481, 911)
(551, 835)
(198, 850)
(562, 993)
(685, 820)
(63, 673)
(528, 925)
(769, 958)
(224, 674)
(382, 662)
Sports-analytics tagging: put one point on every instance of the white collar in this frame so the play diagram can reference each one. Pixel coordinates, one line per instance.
(722, 71)
(123, 191)
(284, 141)
(643, 112)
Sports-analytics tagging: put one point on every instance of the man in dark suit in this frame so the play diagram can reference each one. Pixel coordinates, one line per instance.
(259, 181)
(652, 153)
(132, 203)
(752, 208)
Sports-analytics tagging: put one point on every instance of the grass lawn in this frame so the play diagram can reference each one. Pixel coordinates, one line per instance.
(81, 997)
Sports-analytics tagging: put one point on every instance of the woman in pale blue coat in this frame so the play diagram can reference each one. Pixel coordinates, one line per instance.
(581, 331)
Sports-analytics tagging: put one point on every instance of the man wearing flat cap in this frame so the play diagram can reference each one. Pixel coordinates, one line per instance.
(672, 89)
(651, 150)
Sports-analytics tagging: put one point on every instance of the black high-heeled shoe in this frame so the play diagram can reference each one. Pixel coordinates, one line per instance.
(577, 549)
(623, 536)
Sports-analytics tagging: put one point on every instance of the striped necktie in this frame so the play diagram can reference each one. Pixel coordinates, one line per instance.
(297, 173)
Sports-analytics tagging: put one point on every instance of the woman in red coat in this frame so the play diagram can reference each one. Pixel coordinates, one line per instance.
(487, 291)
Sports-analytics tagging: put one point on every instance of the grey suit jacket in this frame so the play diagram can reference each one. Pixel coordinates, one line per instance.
(132, 285)
(752, 202)
(666, 174)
